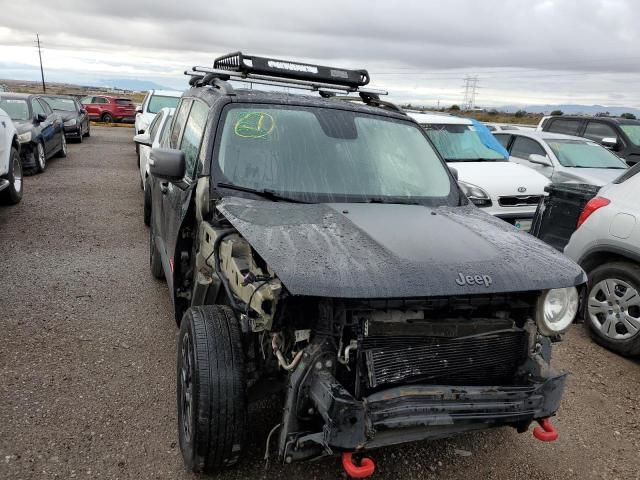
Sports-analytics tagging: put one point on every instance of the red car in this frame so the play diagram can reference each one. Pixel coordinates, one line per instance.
(109, 109)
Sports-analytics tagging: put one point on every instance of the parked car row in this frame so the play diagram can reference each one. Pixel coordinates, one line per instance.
(35, 128)
(325, 248)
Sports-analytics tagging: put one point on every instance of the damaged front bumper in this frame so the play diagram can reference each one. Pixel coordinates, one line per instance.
(416, 412)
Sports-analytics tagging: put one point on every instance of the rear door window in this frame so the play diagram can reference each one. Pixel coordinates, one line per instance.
(523, 147)
(503, 139)
(563, 125)
(596, 131)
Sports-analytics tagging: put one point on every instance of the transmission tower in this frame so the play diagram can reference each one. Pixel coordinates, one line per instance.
(470, 91)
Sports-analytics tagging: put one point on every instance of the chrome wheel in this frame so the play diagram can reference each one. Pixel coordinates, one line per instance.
(186, 385)
(64, 146)
(614, 309)
(17, 174)
(42, 159)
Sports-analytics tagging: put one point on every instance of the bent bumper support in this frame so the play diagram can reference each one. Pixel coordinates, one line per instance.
(419, 412)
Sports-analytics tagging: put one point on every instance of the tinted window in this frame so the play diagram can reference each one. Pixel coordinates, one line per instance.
(523, 147)
(157, 102)
(123, 101)
(597, 131)
(153, 128)
(503, 139)
(178, 123)
(563, 125)
(16, 109)
(37, 108)
(100, 100)
(192, 136)
(322, 154)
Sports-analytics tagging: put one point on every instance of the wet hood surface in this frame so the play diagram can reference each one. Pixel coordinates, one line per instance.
(395, 251)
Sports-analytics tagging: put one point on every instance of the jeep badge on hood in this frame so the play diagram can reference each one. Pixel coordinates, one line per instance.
(463, 280)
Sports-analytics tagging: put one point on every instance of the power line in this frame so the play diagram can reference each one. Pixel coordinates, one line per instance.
(44, 87)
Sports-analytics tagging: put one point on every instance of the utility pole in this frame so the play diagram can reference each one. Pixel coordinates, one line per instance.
(470, 91)
(44, 87)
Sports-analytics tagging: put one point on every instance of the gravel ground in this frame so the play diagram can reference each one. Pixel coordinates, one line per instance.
(87, 363)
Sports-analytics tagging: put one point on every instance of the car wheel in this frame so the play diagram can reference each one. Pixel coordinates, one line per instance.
(63, 148)
(41, 158)
(211, 389)
(80, 137)
(612, 309)
(13, 193)
(155, 263)
(88, 134)
(107, 118)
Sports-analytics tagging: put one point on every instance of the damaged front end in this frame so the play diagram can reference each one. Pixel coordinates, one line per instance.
(382, 373)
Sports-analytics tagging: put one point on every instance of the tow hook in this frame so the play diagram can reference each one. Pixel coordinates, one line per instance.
(364, 470)
(545, 432)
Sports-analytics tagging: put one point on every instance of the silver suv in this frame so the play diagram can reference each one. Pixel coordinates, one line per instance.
(607, 245)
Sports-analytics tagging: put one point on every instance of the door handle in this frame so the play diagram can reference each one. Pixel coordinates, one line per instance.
(164, 187)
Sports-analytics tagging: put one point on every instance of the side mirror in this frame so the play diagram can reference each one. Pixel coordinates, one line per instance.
(142, 139)
(454, 172)
(83, 111)
(539, 159)
(40, 117)
(138, 110)
(167, 164)
(610, 142)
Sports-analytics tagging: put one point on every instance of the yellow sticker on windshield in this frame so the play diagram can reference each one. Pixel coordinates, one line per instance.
(254, 125)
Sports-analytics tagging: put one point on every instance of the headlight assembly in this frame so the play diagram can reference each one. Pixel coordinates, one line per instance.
(70, 123)
(556, 310)
(476, 194)
(24, 137)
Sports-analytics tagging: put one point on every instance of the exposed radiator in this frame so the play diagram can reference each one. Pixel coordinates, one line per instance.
(487, 359)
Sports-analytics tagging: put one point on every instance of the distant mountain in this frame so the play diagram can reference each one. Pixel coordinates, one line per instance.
(571, 109)
(133, 84)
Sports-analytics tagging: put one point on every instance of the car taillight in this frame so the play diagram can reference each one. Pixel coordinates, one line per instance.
(592, 205)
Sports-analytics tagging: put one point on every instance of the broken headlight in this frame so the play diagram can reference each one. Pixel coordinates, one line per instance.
(477, 195)
(556, 310)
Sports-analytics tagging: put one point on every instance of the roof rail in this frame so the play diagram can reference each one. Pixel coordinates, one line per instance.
(284, 73)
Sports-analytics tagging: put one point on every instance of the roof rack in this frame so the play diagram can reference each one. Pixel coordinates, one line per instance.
(282, 73)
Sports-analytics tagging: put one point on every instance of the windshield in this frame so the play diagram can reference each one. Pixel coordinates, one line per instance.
(17, 109)
(578, 153)
(461, 143)
(633, 132)
(64, 104)
(330, 155)
(157, 102)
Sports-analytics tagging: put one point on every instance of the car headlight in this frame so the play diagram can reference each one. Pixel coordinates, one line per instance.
(24, 137)
(476, 194)
(70, 123)
(556, 310)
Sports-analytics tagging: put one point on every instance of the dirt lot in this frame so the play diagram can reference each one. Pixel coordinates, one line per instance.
(87, 356)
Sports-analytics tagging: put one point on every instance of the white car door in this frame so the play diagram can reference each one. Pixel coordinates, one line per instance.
(145, 150)
(521, 150)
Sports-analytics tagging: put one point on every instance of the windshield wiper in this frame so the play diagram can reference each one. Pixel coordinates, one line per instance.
(264, 193)
(397, 201)
(474, 159)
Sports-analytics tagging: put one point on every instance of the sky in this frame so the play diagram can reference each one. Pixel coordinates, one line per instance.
(522, 51)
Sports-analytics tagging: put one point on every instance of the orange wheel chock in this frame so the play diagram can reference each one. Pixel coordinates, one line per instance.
(545, 432)
(364, 470)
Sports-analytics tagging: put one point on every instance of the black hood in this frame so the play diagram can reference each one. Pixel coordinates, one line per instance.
(395, 251)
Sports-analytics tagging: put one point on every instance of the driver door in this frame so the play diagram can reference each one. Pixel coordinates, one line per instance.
(46, 127)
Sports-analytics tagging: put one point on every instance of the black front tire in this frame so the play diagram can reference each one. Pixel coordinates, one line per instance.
(62, 153)
(147, 202)
(211, 389)
(630, 274)
(88, 134)
(13, 193)
(107, 118)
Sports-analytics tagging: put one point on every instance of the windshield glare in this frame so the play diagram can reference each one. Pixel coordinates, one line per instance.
(16, 109)
(325, 155)
(64, 104)
(460, 143)
(632, 131)
(158, 102)
(578, 153)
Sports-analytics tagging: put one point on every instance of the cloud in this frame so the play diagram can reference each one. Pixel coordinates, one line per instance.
(522, 51)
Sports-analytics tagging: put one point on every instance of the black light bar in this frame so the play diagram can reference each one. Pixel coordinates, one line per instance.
(251, 65)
